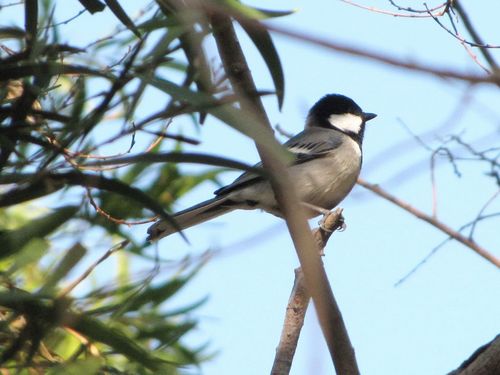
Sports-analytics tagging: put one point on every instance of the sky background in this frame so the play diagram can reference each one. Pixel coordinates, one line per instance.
(450, 306)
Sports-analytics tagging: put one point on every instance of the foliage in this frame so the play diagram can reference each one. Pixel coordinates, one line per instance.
(67, 114)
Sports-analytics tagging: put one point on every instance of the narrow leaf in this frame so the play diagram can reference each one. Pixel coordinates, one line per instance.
(179, 157)
(51, 69)
(93, 6)
(255, 12)
(264, 43)
(31, 21)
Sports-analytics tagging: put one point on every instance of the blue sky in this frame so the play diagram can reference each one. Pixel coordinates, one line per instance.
(439, 316)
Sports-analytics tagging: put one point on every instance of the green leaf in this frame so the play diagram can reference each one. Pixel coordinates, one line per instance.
(14, 240)
(264, 43)
(158, 294)
(266, 13)
(254, 12)
(30, 253)
(96, 330)
(87, 366)
(86, 180)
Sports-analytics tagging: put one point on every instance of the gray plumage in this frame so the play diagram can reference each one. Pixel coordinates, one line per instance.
(327, 163)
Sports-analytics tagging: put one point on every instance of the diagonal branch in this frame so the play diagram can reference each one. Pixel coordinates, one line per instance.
(431, 220)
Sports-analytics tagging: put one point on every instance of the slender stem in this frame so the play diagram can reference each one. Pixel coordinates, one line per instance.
(431, 220)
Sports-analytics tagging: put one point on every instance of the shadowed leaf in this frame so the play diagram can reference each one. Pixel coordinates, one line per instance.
(46, 69)
(93, 6)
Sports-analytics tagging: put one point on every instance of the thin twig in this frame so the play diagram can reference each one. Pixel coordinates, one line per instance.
(89, 270)
(380, 57)
(440, 245)
(484, 48)
(108, 216)
(394, 14)
(431, 220)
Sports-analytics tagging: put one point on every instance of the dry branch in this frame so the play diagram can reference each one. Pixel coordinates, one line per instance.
(431, 220)
(299, 300)
(484, 361)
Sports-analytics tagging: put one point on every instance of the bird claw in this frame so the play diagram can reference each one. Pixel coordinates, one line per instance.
(322, 222)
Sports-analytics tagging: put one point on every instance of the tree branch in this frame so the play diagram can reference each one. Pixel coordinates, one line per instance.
(299, 300)
(315, 276)
(431, 220)
(484, 361)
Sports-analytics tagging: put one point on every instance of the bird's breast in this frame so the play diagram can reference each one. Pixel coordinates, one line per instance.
(325, 182)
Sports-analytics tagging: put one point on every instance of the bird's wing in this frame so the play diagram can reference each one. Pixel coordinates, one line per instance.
(308, 145)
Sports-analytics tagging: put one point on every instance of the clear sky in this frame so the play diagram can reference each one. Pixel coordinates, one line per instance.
(450, 306)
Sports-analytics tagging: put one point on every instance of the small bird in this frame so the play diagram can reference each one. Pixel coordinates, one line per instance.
(326, 165)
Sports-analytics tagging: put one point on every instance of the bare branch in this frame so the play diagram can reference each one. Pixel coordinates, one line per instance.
(91, 268)
(475, 36)
(299, 300)
(484, 361)
(431, 220)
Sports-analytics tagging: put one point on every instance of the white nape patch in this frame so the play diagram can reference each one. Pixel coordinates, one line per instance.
(346, 122)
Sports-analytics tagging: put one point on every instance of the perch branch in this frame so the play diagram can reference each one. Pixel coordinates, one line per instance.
(299, 300)
(315, 276)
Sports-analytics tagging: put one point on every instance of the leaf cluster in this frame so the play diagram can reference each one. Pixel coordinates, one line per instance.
(82, 160)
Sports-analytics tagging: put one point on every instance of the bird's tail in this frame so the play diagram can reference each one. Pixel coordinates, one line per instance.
(200, 213)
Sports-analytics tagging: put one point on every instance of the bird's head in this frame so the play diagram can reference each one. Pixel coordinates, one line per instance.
(340, 113)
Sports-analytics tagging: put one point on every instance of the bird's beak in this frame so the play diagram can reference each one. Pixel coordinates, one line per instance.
(368, 116)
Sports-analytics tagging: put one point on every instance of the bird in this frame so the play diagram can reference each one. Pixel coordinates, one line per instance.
(327, 158)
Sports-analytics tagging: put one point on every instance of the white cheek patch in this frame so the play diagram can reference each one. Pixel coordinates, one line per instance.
(346, 122)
